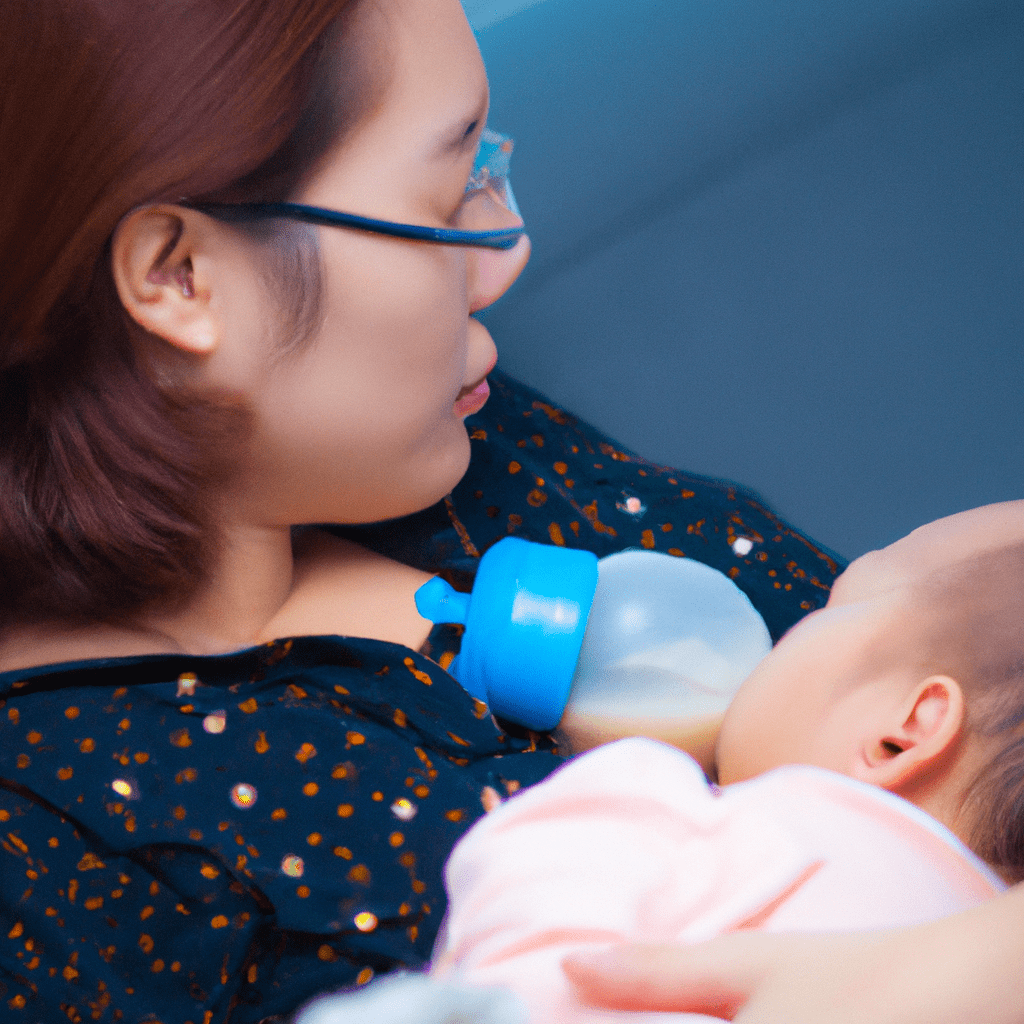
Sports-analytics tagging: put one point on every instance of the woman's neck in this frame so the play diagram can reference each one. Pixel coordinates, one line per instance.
(265, 587)
(253, 580)
(268, 586)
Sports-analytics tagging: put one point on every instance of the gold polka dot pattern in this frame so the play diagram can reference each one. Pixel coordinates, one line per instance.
(215, 838)
(538, 473)
(189, 870)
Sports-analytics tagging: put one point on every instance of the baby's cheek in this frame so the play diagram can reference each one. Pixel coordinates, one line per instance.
(738, 747)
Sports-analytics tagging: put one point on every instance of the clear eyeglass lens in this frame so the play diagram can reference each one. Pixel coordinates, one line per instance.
(490, 171)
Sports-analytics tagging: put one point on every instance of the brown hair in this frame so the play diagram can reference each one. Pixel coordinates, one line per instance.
(978, 636)
(106, 105)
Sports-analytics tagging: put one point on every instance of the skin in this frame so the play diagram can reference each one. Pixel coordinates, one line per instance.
(854, 688)
(363, 423)
(826, 696)
(960, 968)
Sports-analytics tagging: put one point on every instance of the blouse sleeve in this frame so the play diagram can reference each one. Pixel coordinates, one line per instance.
(221, 838)
(203, 839)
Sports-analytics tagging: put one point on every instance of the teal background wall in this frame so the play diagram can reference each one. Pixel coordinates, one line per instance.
(776, 243)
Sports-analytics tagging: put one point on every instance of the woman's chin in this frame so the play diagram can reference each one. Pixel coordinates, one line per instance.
(447, 468)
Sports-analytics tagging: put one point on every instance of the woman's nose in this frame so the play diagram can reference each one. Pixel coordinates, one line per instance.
(492, 272)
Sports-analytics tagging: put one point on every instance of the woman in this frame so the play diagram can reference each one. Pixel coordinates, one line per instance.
(965, 967)
(233, 763)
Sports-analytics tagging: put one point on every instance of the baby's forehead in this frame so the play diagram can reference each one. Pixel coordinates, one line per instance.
(887, 569)
(930, 550)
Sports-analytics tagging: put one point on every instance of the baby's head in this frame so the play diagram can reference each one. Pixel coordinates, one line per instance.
(910, 678)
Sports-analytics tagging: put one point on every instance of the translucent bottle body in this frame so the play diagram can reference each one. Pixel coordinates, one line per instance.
(636, 635)
(666, 637)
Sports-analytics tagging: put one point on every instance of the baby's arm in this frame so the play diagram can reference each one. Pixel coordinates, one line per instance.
(605, 850)
(584, 858)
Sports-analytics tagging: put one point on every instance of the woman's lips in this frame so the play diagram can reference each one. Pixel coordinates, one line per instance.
(472, 400)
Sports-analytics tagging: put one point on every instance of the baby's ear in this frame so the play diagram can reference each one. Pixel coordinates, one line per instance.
(901, 750)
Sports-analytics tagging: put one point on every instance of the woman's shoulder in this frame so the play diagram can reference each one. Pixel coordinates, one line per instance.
(343, 588)
(33, 644)
(339, 588)
(256, 804)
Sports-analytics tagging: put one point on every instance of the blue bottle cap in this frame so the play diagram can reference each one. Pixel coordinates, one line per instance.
(524, 622)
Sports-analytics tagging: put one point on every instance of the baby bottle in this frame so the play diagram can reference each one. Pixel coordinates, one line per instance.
(638, 635)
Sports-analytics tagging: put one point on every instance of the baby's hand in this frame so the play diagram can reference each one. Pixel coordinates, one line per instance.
(490, 798)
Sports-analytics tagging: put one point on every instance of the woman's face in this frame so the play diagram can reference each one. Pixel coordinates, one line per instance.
(366, 421)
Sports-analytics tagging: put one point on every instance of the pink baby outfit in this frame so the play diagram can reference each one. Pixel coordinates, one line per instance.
(630, 842)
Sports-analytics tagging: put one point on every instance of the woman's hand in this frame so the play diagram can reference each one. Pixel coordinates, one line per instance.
(961, 968)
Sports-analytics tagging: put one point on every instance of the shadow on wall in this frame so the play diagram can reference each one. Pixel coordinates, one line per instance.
(483, 13)
(779, 244)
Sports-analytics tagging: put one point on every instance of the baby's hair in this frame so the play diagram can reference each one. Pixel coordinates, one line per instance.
(980, 637)
(109, 105)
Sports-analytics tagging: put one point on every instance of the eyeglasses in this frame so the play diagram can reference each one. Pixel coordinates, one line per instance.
(489, 179)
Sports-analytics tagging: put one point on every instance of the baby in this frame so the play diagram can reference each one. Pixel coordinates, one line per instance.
(870, 768)
(871, 775)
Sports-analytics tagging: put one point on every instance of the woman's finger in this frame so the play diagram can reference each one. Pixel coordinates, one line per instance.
(949, 971)
(714, 977)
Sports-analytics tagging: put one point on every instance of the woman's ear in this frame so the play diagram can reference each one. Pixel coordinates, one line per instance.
(163, 278)
(911, 742)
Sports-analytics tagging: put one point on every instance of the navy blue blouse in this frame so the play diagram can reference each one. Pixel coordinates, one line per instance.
(214, 839)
